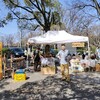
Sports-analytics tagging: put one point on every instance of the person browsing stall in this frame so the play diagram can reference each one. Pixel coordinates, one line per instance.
(64, 64)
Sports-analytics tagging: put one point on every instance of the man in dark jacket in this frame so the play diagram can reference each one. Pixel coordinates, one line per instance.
(36, 59)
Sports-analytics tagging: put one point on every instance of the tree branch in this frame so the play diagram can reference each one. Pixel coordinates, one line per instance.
(21, 17)
(35, 17)
(83, 6)
(49, 13)
(41, 10)
(38, 5)
(38, 20)
(24, 8)
(97, 6)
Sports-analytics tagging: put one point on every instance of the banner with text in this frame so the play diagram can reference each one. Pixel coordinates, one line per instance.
(78, 44)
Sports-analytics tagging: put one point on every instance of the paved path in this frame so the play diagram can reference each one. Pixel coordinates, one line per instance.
(10, 84)
(83, 86)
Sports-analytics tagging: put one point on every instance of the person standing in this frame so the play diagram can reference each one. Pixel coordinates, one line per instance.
(63, 63)
(25, 53)
(98, 52)
(36, 59)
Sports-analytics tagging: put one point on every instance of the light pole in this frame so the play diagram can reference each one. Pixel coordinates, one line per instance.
(20, 37)
(20, 29)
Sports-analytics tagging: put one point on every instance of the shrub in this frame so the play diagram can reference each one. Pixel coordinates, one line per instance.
(7, 52)
(4, 51)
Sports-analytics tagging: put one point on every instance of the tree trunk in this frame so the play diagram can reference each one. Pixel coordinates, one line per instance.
(46, 28)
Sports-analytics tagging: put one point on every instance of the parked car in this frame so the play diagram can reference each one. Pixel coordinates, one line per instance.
(16, 51)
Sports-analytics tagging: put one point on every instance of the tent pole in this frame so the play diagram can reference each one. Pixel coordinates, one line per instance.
(88, 49)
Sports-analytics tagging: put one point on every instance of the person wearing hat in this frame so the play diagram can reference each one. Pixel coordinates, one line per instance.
(62, 54)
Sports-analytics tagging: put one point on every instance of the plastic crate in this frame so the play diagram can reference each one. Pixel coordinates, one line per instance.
(19, 77)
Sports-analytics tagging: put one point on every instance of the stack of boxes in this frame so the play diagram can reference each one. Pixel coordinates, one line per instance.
(20, 75)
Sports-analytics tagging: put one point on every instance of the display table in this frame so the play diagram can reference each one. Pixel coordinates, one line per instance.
(17, 59)
(98, 67)
(17, 62)
(50, 70)
(10, 65)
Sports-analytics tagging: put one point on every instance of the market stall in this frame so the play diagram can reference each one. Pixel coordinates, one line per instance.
(58, 37)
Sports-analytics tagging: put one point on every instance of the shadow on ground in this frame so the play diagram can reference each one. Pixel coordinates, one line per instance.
(81, 87)
(3, 83)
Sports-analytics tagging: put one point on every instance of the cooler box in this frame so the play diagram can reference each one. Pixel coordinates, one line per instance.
(20, 71)
(20, 77)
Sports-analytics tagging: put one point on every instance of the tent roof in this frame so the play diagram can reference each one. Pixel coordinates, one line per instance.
(57, 37)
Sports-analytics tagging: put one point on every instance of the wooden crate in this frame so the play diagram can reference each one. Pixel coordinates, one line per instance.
(98, 67)
(1, 76)
(50, 70)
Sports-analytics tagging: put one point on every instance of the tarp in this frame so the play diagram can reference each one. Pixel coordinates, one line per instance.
(57, 37)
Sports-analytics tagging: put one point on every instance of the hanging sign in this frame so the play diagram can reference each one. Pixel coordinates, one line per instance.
(78, 44)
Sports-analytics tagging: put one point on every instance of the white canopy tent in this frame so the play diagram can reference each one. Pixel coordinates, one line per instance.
(58, 37)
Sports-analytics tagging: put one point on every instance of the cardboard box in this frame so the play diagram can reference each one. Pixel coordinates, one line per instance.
(19, 77)
(98, 67)
(50, 70)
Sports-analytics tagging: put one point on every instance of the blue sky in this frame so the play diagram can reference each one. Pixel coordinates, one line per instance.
(11, 27)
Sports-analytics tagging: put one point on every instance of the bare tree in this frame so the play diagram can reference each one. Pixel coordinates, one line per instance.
(89, 7)
(9, 40)
(95, 36)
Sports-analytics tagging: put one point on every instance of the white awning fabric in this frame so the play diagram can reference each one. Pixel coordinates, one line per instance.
(52, 37)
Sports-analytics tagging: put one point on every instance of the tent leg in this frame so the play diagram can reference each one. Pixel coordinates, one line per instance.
(88, 49)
